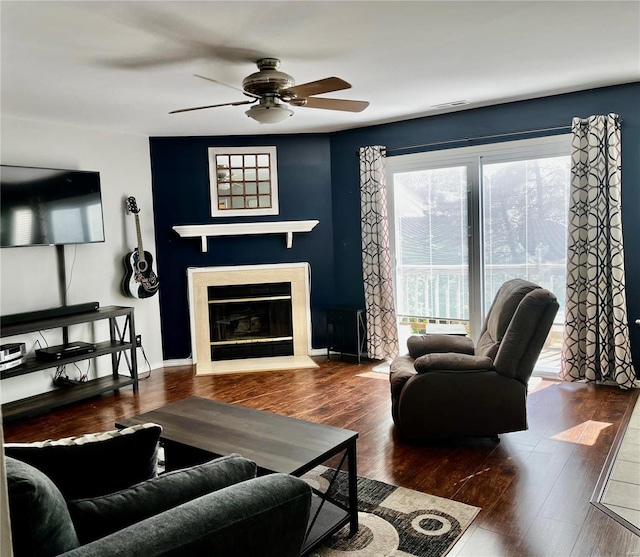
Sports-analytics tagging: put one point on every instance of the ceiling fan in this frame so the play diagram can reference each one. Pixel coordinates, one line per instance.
(270, 89)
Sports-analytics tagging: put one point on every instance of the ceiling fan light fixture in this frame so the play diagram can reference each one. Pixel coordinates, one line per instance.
(271, 113)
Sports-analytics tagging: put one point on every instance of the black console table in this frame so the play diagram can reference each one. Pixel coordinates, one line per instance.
(346, 332)
(122, 337)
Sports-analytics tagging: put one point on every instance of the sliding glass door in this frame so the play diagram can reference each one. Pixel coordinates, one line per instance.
(465, 221)
(431, 247)
(525, 207)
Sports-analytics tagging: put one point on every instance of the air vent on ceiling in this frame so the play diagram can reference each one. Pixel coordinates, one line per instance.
(450, 104)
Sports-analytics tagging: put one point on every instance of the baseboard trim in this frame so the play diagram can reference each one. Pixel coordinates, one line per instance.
(178, 362)
(144, 367)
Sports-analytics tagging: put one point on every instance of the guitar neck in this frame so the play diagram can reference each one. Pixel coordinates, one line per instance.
(139, 234)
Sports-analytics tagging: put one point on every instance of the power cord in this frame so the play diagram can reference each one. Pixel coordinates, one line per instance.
(61, 379)
(73, 264)
(83, 376)
(36, 346)
(43, 338)
(144, 355)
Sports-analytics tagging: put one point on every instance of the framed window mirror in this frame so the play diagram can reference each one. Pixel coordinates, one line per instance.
(243, 181)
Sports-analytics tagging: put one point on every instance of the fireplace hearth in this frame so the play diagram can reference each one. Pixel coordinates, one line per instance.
(250, 318)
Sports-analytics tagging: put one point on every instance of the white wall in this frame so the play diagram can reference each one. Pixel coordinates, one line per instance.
(29, 276)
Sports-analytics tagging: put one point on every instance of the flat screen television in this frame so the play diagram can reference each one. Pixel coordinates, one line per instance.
(49, 206)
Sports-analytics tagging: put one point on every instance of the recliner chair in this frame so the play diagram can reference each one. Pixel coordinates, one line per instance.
(448, 388)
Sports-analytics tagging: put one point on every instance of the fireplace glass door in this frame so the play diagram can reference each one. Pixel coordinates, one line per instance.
(250, 321)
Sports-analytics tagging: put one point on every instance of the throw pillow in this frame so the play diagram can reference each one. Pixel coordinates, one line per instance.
(100, 516)
(40, 522)
(94, 464)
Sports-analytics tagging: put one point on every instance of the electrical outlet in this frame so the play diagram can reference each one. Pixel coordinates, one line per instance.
(138, 341)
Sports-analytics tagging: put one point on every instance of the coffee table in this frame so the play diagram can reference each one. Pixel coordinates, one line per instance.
(196, 429)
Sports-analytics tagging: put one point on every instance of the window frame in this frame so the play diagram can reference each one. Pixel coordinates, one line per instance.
(213, 152)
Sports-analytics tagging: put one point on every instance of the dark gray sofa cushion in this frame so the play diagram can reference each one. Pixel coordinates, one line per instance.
(97, 517)
(262, 517)
(40, 522)
(119, 458)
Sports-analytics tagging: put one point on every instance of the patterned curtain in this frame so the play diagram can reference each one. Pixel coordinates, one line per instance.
(382, 330)
(596, 336)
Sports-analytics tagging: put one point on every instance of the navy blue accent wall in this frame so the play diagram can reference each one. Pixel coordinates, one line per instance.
(180, 171)
(318, 177)
(537, 113)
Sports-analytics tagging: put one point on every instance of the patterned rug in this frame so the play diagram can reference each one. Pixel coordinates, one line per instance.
(394, 521)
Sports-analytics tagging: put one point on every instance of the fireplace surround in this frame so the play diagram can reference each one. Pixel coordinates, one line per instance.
(250, 318)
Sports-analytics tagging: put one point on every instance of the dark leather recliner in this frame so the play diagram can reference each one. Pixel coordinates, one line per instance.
(446, 387)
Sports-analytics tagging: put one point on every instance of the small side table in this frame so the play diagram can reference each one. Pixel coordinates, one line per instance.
(346, 332)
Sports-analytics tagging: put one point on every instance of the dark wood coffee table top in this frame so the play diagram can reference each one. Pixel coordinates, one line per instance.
(275, 443)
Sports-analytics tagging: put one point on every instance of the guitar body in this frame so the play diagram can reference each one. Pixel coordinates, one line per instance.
(139, 279)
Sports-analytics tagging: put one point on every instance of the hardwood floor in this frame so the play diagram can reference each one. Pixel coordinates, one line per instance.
(533, 487)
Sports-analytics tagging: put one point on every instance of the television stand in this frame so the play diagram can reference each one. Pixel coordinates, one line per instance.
(121, 341)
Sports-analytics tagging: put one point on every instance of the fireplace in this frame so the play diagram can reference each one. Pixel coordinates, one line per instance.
(250, 318)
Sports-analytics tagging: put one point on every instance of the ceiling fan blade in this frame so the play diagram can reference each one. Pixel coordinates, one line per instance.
(151, 61)
(327, 85)
(237, 103)
(227, 85)
(192, 38)
(336, 104)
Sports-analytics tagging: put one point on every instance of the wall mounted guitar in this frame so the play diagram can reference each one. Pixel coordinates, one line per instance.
(139, 280)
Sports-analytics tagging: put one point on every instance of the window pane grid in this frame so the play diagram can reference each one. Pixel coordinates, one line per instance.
(244, 181)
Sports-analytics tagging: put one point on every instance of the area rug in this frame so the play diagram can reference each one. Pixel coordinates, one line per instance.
(394, 521)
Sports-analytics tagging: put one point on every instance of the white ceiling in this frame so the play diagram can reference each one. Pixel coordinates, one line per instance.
(124, 65)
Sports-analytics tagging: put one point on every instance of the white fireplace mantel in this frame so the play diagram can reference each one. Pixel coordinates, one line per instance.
(203, 231)
(200, 279)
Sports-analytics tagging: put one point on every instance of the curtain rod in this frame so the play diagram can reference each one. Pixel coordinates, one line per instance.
(475, 138)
